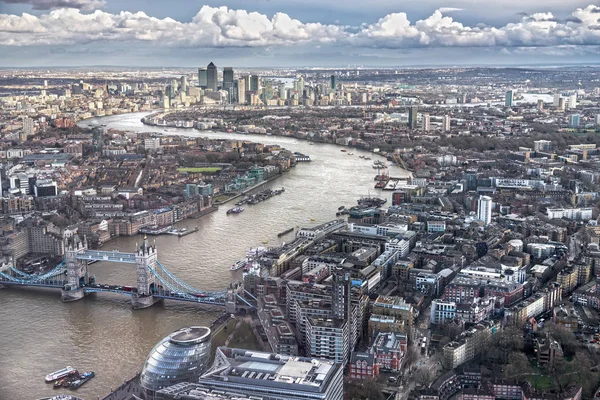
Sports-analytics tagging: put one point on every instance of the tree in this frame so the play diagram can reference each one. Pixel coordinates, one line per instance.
(566, 339)
(364, 389)
(518, 364)
(424, 377)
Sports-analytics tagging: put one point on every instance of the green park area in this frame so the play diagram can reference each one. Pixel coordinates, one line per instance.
(243, 336)
(197, 170)
(541, 382)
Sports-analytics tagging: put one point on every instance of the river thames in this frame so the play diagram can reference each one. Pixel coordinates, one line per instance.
(40, 334)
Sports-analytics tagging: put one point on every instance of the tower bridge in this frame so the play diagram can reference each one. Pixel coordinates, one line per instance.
(154, 282)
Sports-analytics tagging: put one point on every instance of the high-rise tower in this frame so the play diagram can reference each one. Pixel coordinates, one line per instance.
(211, 77)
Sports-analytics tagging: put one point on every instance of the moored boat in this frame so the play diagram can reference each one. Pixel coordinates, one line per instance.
(61, 373)
(86, 376)
(239, 264)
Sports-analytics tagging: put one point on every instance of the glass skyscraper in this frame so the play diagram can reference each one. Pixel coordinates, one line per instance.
(202, 78)
(211, 77)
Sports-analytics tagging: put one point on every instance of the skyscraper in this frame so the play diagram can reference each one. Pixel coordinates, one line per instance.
(202, 78)
(540, 105)
(254, 83)
(509, 98)
(211, 77)
(413, 113)
(227, 78)
(241, 90)
(484, 209)
(299, 85)
(183, 84)
(333, 82)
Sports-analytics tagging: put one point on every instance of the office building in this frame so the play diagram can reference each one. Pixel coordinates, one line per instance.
(241, 90)
(574, 120)
(333, 82)
(183, 84)
(484, 209)
(254, 83)
(45, 188)
(211, 77)
(227, 78)
(202, 78)
(509, 98)
(413, 113)
(180, 357)
(256, 375)
(597, 120)
(446, 123)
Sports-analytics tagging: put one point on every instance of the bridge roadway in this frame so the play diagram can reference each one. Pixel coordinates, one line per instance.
(110, 256)
(123, 290)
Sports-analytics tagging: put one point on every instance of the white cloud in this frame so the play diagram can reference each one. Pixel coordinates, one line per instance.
(50, 4)
(223, 27)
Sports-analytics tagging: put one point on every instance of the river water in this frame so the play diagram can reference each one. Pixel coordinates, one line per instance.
(40, 334)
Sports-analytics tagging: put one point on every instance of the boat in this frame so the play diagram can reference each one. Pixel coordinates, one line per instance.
(61, 373)
(311, 143)
(62, 397)
(77, 383)
(257, 252)
(235, 210)
(239, 265)
(313, 219)
(340, 208)
(351, 154)
(343, 150)
(280, 234)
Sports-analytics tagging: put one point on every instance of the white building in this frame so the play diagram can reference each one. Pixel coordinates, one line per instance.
(442, 311)
(446, 123)
(577, 214)
(484, 209)
(152, 143)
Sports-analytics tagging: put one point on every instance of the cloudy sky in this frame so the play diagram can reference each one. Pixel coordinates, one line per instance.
(278, 33)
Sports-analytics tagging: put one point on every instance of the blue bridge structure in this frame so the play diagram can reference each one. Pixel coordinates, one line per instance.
(154, 281)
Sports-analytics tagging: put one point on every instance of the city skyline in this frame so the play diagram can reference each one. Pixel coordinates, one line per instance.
(261, 34)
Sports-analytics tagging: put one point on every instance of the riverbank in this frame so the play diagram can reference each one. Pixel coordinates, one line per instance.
(246, 191)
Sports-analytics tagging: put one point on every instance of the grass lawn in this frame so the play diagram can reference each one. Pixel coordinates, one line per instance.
(244, 338)
(222, 197)
(541, 382)
(200, 169)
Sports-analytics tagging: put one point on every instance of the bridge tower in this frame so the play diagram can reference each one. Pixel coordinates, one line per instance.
(77, 273)
(146, 256)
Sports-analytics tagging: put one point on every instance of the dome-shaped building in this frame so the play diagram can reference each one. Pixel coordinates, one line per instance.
(180, 357)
